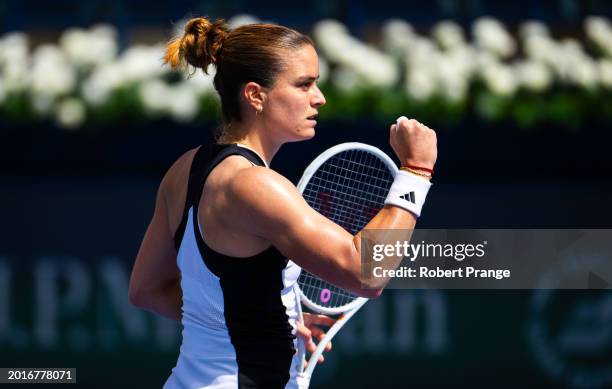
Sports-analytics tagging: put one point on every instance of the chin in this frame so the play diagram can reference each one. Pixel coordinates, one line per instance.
(310, 133)
(305, 134)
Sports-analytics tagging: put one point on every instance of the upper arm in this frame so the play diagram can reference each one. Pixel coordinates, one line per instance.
(270, 206)
(155, 266)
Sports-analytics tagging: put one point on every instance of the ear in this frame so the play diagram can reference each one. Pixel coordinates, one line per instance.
(255, 95)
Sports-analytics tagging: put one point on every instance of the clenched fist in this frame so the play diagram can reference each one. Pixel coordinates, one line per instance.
(414, 143)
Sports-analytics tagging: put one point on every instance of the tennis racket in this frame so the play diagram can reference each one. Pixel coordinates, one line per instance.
(348, 184)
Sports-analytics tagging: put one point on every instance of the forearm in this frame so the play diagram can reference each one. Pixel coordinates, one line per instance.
(392, 224)
(330, 252)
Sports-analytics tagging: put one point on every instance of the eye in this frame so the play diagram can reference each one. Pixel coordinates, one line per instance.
(306, 84)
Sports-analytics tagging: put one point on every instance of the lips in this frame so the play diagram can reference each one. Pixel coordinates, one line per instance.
(313, 117)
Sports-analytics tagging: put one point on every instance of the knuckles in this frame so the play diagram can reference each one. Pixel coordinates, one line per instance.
(412, 127)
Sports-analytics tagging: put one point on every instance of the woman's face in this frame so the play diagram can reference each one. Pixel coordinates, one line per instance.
(292, 103)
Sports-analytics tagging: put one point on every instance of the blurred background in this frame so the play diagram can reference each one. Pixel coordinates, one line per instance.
(519, 93)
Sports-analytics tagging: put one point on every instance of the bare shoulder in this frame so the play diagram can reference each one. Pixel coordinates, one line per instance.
(178, 173)
(173, 188)
(260, 183)
(263, 200)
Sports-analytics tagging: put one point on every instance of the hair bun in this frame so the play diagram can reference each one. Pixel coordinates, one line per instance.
(200, 45)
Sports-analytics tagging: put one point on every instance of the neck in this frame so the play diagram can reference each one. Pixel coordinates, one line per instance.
(264, 147)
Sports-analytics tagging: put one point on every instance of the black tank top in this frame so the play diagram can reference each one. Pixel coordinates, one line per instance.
(255, 316)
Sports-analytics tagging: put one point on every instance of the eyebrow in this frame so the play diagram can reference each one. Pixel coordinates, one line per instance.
(306, 78)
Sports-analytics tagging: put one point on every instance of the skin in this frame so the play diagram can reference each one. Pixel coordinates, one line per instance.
(244, 209)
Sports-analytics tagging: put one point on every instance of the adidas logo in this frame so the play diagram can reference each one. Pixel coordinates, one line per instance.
(408, 197)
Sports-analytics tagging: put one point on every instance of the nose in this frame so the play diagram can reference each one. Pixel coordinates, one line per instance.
(318, 98)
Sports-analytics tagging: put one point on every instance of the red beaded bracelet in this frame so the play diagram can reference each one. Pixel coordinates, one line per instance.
(419, 168)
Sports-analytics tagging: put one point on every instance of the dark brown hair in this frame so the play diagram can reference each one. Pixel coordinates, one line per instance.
(252, 52)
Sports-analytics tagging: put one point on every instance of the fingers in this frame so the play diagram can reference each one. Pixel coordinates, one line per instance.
(404, 122)
(311, 346)
(320, 360)
(312, 319)
(413, 142)
(412, 126)
(327, 346)
(304, 332)
(312, 332)
(317, 332)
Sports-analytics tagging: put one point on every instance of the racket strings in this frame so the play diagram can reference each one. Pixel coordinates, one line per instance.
(349, 189)
(322, 292)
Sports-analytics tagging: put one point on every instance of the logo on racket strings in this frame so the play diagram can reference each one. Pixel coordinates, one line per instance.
(325, 296)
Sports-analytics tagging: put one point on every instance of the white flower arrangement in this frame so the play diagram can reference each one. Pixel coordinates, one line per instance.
(531, 28)
(70, 113)
(500, 79)
(51, 72)
(491, 35)
(449, 35)
(397, 36)
(86, 73)
(599, 30)
(604, 68)
(371, 65)
(14, 62)
(92, 47)
(533, 76)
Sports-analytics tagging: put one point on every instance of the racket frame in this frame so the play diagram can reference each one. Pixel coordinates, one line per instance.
(346, 311)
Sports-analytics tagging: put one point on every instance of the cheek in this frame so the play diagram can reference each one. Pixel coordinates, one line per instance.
(294, 102)
(285, 104)
(295, 110)
(301, 106)
(292, 108)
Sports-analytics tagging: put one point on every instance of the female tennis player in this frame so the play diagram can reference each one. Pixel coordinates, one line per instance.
(215, 253)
